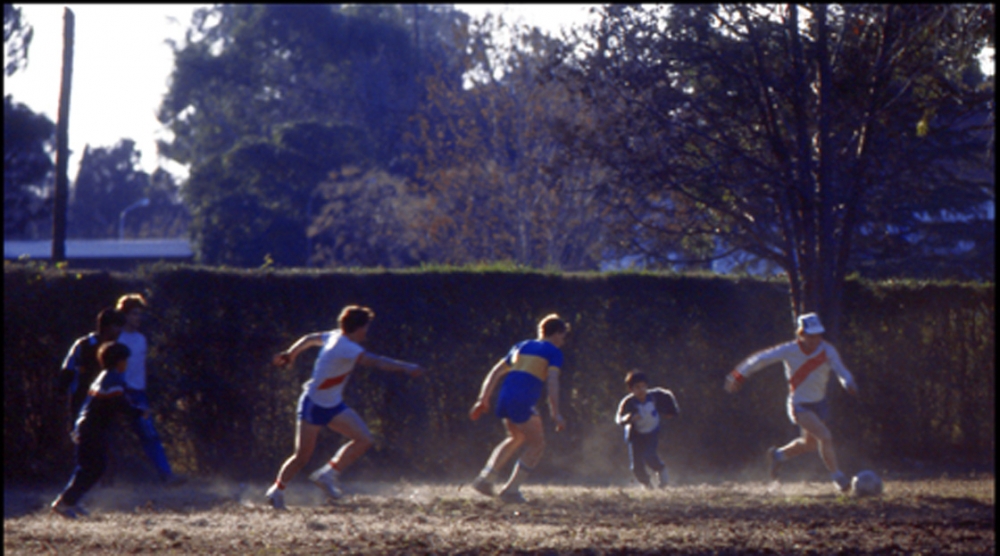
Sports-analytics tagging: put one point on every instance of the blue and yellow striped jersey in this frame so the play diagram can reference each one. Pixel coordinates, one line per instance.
(535, 357)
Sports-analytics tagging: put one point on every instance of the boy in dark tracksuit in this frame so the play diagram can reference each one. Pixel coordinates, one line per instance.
(640, 412)
(105, 401)
(81, 367)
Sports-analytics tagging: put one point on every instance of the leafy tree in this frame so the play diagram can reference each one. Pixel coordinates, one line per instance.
(368, 219)
(756, 129)
(109, 180)
(253, 203)
(248, 74)
(498, 186)
(28, 142)
(17, 35)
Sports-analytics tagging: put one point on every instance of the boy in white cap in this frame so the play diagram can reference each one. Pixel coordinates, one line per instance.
(808, 361)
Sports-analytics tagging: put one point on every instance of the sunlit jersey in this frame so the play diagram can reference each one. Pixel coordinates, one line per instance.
(332, 368)
(807, 373)
(535, 357)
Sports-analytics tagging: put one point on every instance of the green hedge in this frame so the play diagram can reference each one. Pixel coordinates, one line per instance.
(923, 355)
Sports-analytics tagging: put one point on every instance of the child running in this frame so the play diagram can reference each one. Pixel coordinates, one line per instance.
(640, 412)
(105, 401)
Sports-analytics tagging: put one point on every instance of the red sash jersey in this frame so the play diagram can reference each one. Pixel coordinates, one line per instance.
(807, 373)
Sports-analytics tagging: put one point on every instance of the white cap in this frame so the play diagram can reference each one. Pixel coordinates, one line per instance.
(809, 323)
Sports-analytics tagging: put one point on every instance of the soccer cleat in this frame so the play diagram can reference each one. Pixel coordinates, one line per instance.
(772, 463)
(324, 479)
(663, 478)
(65, 510)
(277, 497)
(482, 486)
(512, 496)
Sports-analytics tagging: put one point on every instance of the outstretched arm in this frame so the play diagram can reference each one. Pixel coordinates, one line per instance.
(384, 363)
(288, 356)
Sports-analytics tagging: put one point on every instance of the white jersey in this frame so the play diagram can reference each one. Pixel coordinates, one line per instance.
(807, 373)
(333, 367)
(135, 371)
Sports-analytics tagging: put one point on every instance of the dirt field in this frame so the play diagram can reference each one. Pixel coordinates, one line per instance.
(941, 516)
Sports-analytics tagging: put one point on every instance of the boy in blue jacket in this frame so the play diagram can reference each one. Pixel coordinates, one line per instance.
(105, 401)
(640, 413)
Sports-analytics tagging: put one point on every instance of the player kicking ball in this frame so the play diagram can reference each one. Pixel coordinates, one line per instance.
(322, 404)
(808, 361)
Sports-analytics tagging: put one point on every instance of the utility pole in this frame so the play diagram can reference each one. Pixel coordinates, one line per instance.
(59, 201)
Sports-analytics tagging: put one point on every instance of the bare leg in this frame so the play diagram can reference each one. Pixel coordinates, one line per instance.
(802, 445)
(348, 423)
(507, 448)
(534, 439)
(305, 443)
(815, 429)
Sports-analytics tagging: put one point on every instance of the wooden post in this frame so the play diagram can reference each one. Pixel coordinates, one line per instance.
(59, 202)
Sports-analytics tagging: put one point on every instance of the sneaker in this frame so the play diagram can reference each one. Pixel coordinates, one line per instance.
(63, 509)
(482, 486)
(277, 497)
(772, 463)
(513, 497)
(663, 478)
(324, 479)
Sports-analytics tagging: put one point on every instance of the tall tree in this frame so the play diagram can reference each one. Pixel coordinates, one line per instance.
(28, 142)
(498, 185)
(249, 73)
(784, 132)
(109, 180)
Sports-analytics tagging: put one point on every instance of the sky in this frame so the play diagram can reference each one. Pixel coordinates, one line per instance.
(116, 91)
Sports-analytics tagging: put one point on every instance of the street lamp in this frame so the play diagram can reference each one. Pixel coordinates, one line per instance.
(121, 217)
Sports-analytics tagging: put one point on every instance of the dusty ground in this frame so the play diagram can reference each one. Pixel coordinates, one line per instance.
(940, 516)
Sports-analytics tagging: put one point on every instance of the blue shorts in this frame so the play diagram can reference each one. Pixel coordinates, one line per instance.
(820, 408)
(317, 414)
(518, 395)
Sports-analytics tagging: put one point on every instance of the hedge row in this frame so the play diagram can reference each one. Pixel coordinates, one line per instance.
(923, 355)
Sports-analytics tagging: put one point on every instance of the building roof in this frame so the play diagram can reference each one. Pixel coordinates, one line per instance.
(102, 249)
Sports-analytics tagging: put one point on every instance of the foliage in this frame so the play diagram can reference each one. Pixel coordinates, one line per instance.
(789, 133)
(224, 410)
(257, 199)
(247, 75)
(28, 141)
(17, 35)
(109, 180)
(497, 184)
(367, 220)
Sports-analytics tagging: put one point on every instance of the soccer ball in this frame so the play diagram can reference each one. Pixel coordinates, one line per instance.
(866, 483)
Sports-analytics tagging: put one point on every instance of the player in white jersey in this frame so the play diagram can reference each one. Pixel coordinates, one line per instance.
(322, 403)
(808, 361)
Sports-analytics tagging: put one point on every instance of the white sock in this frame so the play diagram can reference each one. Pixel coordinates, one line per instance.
(487, 474)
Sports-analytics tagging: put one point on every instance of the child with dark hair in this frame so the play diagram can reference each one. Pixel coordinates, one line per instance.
(105, 400)
(81, 367)
(639, 412)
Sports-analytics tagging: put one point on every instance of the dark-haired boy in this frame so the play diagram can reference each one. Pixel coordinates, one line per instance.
(81, 366)
(105, 400)
(639, 412)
